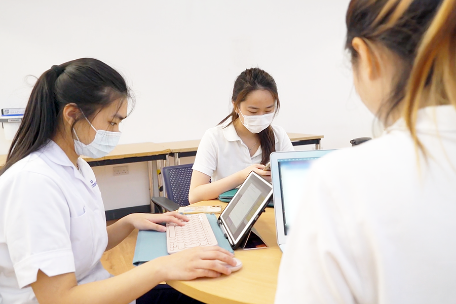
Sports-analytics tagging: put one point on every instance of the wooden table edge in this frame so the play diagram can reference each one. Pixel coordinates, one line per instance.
(200, 295)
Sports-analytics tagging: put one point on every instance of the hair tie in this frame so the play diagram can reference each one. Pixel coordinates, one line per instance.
(57, 70)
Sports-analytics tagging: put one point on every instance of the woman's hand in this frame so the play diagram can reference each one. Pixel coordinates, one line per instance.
(196, 262)
(257, 168)
(147, 221)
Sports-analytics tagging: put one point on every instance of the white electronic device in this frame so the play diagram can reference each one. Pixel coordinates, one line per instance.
(199, 209)
(289, 172)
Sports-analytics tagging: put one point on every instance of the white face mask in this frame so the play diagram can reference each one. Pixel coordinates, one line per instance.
(103, 143)
(257, 123)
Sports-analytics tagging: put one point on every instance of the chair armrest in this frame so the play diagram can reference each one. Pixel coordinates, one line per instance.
(358, 141)
(165, 203)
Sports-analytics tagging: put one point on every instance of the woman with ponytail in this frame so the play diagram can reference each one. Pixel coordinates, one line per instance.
(377, 224)
(243, 141)
(52, 220)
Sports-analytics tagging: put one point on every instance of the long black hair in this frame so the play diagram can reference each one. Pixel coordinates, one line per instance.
(248, 81)
(86, 82)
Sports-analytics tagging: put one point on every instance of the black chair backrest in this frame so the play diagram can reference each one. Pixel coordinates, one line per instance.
(177, 183)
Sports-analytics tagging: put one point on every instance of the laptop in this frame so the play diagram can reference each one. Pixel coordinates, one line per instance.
(235, 221)
(289, 171)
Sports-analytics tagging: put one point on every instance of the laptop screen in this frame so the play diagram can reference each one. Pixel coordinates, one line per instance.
(292, 175)
(289, 173)
(245, 205)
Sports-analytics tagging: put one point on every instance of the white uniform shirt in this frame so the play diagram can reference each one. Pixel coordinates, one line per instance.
(222, 153)
(51, 218)
(373, 227)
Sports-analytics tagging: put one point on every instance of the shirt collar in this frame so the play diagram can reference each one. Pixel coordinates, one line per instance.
(54, 153)
(230, 132)
(434, 118)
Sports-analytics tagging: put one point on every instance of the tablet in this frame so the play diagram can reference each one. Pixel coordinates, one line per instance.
(244, 209)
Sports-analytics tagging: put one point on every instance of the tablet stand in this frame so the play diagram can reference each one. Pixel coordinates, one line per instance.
(253, 240)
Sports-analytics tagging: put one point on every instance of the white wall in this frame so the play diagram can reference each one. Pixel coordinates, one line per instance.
(181, 59)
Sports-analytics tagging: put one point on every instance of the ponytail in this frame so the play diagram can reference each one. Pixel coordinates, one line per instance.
(421, 34)
(40, 119)
(434, 72)
(88, 83)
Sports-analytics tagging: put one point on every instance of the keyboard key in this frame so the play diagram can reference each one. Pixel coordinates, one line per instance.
(172, 232)
(196, 232)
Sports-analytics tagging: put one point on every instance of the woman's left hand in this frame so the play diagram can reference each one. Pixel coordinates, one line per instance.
(148, 221)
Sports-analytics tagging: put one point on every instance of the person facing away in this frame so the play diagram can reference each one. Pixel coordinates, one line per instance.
(243, 141)
(52, 220)
(377, 222)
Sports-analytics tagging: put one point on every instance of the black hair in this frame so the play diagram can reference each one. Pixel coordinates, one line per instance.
(248, 81)
(88, 83)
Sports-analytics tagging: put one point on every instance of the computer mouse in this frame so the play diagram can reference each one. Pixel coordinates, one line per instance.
(233, 268)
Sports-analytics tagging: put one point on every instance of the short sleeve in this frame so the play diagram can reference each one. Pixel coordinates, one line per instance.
(284, 143)
(317, 265)
(37, 228)
(206, 156)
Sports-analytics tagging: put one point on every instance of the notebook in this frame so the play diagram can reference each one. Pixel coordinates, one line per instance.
(227, 196)
(289, 170)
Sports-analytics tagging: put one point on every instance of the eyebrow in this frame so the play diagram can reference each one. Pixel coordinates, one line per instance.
(117, 115)
(255, 108)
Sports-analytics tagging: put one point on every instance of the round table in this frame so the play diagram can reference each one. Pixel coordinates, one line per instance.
(255, 282)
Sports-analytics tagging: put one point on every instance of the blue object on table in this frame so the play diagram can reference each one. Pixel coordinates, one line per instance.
(228, 195)
(152, 244)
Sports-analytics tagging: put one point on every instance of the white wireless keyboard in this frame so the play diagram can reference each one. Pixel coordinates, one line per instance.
(196, 232)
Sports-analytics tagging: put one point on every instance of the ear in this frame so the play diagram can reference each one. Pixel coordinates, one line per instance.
(234, 107)
(71, 113)
(367, 59)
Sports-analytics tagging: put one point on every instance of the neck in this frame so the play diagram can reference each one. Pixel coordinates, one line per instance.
(65, 142)
(242, 131)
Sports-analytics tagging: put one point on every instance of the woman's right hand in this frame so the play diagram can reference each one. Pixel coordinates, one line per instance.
(196, 262)
(257, 168)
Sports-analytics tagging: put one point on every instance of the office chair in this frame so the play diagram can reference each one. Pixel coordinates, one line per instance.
(358, 141)
(177, 185)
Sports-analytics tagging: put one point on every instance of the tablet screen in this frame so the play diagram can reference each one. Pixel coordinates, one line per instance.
(245, 205)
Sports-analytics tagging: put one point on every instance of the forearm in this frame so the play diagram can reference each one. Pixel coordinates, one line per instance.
(118, 231)
(213, 190)
(123, 288)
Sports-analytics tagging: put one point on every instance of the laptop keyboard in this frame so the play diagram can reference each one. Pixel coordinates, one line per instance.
(196, 232)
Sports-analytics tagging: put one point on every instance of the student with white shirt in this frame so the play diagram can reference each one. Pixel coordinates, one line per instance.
(52, 220)
(243, 141)
(377, 222)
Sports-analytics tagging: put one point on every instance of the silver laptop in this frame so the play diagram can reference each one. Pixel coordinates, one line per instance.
(289, 170)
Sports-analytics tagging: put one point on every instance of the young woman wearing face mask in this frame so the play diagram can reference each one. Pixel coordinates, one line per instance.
(243, 141)
(378, 221)
(52, 221)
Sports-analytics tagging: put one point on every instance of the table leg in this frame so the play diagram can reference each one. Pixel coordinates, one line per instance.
(317, 146)
(153, 183)
(162, 181)
(176, 159)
